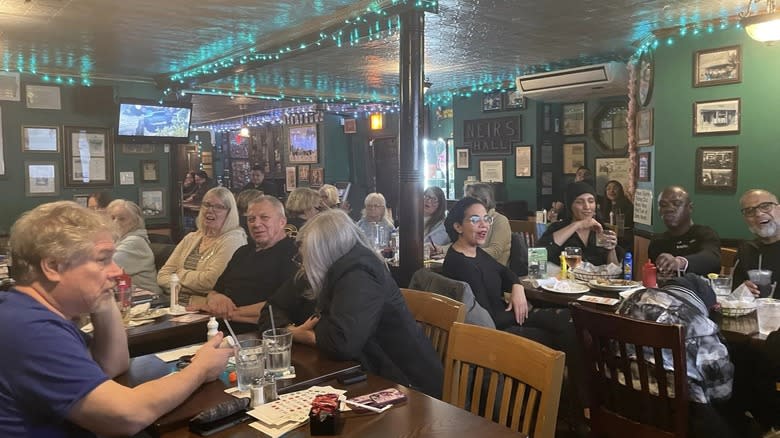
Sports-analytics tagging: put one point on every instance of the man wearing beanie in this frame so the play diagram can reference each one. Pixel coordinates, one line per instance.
(684, 246)
(580, 229)
(687, 301)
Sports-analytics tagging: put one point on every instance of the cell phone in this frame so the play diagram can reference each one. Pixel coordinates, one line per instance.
(351, 377)
(210, 428)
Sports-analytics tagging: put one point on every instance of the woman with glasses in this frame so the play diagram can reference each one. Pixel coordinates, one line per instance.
(376, 222)
(363, 316)
(201, 256)
(580, 230)
(434, 210)
(302, 204)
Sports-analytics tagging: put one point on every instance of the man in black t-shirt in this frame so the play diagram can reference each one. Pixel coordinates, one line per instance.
(683, 247)
(762, 215)
(257, 269)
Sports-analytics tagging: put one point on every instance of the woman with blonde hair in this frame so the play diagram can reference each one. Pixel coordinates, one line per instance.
(376, 222)
(302, 204)
(202, 255)
(363, 316)
(330, 195)
(133, 252)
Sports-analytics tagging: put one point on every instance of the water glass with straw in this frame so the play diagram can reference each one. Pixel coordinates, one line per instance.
(278, 345)
(250, 360)
(762, 278)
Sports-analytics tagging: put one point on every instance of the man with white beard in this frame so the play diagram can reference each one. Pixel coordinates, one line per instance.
(761, 213)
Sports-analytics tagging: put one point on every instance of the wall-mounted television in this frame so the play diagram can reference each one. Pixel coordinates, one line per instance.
(150, 122)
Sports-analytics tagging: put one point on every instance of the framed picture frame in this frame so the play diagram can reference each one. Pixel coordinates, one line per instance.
(462, 160)
(150, 171)
(152, 202)
(644, 127)
(289, 178)
(608, 169)
(128, 148)
(491, 171)
(716, 169)
(643, 166)
(81, 200)
(716, 117)
(316, 177)
(350, 126)
(514, 100)
(523, 161)
(303, 144)
(239, 146)
(303, 173)
(43, 97)
(89, 157)
(492, 101)
(573, 157)
(41, 178)
(40, 139)
(719, 66)
(574, 118)
(645, 75)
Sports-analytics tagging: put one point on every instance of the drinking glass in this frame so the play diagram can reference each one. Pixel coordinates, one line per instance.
(721, 285)
(278, 345)
(602, 238)
(573, 256)
(768, 312)
(250, 362)
(763, 279)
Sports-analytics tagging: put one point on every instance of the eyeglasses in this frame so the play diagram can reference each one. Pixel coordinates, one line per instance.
(209, 205)
(431, 199)
(764, 207)
(474, 219)
(375, 206)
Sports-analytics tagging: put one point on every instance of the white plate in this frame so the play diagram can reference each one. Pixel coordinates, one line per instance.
(613, 287)
(574, 288)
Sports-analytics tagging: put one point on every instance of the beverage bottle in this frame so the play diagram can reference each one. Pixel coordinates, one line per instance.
(649, 274)
(212, 327)
(628, 266)
(175, 287)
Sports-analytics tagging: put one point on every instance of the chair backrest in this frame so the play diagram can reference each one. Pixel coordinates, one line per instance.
(505, 378)
(161, 253)
(526, 228)
(518, 255)
(427, 280)
(435, 314)
(630, 396)
(728, 257)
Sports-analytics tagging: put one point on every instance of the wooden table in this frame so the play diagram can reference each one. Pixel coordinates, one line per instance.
(419, 416)
(740, 329)
(164, 335)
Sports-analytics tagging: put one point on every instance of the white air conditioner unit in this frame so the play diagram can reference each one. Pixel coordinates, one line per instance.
(600, 80)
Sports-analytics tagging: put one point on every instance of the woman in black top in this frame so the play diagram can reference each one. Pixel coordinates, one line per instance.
(581, 230)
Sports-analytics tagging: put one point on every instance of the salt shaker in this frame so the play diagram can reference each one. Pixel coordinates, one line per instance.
(263, 390)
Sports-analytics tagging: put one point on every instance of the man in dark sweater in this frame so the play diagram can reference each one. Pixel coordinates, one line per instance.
(761, 213)
(684, 247)
(257, 181)
(257, 269)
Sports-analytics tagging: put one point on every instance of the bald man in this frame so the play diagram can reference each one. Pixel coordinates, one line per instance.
(761, 213)
(684, 246)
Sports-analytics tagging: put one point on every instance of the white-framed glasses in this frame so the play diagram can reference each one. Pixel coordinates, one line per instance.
(475, 219)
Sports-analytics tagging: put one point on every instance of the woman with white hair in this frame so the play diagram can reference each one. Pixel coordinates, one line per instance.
(133, 252)
(376, 219)
(363, 314)
(202, 255)
(330, 195)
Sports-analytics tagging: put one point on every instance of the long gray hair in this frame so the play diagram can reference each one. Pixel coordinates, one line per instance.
(323, 240)
(227, 198)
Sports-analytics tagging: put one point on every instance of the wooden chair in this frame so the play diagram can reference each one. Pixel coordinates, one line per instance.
(435, 313)
(505, 378)
(622, 397)
(728, 257)
(526, 228)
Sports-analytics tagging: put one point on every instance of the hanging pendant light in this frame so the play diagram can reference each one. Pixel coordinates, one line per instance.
(244, 132)
(763, 27)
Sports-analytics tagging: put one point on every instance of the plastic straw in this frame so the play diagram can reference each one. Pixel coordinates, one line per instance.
(273, 325)
(232, 333)
(760, 256)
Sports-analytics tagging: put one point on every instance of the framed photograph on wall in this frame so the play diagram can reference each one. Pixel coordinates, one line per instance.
(89, 157)
(81, 200)
(43, 97)
(608, 169)
(303, 173)
(150, 171)
(289, 178)
(462, 158)
(643, 166)
(303, 144)
(491, 171)
(350, 126)
(644, 127)
(316, 177)
(717, 66)
(492, 101)
(716, 169)
(573, 157)
(41, 178)
(523, 161)
(40, 139)
(716, 117)
(574, 119)
(152, 202)
(514, 100)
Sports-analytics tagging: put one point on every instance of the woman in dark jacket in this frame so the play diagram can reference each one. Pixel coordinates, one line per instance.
(363, 315)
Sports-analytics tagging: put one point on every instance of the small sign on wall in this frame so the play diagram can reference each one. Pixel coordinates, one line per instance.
(643, 206)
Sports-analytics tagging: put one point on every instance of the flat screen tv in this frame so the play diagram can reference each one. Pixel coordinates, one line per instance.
(151, 122)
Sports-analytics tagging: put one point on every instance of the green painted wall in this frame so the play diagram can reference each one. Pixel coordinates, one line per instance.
(16, 114)
(674, 152)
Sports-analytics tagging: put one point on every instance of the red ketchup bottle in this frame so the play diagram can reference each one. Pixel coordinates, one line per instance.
(649, 274)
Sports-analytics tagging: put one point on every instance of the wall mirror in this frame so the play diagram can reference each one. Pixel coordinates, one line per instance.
(611, 129)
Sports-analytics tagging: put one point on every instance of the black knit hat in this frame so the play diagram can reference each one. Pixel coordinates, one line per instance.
(576, 189)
